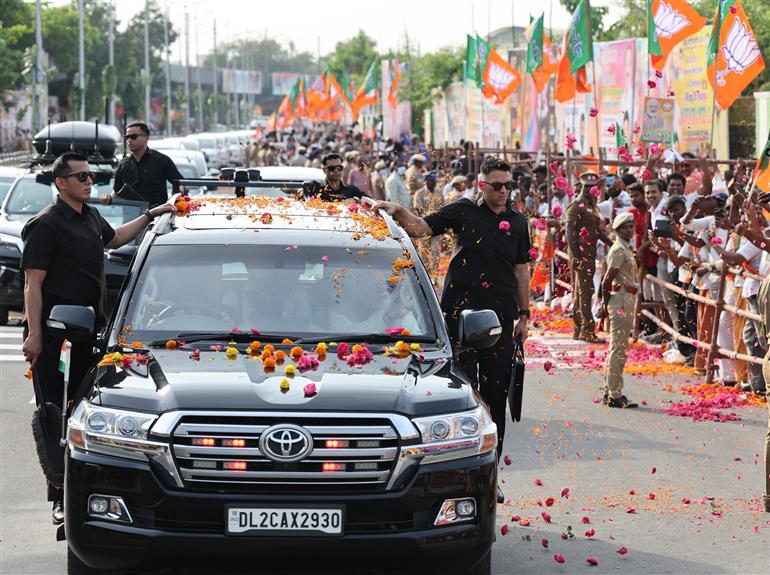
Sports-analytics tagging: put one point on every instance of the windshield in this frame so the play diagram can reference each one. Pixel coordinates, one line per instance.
(29, 196)
(5, 185)
(206, 144)
(297, 291)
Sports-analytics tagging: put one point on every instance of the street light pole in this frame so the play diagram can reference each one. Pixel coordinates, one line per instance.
(168, 73)
(82, 63)
(146, 61)
(39, 78)
(111, 59)
(198, 73)
(187, 71)
(216, 107)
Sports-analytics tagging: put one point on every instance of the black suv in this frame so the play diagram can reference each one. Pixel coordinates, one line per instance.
(277, 382)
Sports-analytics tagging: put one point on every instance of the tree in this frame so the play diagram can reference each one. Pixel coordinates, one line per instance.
(427, 77)
(17, 33)
(354, 55)
(597, 14)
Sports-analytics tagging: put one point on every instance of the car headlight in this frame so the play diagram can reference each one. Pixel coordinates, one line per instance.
(12, 243)
(112, 431)
(454, 435)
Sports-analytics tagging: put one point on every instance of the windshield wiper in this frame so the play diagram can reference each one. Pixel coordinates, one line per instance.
(367, 337)
(226, 336)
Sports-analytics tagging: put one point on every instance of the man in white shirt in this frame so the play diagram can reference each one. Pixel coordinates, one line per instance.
(396, 189)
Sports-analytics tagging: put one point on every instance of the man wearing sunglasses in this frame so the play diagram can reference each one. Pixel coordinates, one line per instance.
(489, 270)
(63, 262)
(332, 188)
(142, 175)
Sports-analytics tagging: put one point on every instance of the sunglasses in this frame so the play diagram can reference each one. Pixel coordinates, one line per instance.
(334, 168)
(497, 186)
(134, 136)
(82, 177)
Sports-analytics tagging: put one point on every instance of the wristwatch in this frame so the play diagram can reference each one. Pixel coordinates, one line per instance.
(148, 215)
(524, 313)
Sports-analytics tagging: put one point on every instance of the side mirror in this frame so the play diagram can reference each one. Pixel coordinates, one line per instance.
(72, 322)
(122, 255)
(479, 328)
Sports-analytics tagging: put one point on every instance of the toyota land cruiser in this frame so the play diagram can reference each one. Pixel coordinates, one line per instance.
(277, 381)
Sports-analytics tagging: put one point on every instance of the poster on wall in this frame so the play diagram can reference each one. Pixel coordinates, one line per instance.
(615, 69)
(283, 82)
(658, 120)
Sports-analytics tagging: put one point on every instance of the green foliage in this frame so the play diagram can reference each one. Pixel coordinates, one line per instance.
(354, 55)
(16, 34)
(428, 76)
(597, 14)
(266, 54)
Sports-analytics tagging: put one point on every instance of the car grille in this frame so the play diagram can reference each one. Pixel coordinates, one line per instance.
(348, 455)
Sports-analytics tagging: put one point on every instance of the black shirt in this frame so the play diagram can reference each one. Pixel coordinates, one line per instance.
(146, 179)
(481, 273)
(70, 247)
(328, 194)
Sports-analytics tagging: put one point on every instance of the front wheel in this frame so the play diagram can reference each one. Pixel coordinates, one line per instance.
(76, 567)
(483, 567)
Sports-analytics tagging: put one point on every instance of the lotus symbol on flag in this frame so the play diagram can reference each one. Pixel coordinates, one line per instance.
(739, 51)
(499, 78)
(669, 21)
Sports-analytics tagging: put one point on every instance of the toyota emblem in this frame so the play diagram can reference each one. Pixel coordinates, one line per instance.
(286, 443)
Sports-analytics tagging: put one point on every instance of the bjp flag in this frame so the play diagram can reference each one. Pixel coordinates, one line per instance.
(734, 59)
(577, 51)
(668, 23)
(499, 77)
(762, 171)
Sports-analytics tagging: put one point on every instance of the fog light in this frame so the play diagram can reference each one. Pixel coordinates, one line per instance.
(109, 508)
(98, 505)
(455, 511)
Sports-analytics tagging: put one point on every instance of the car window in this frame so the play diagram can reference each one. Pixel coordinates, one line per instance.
(29, 196)
(299, 291)
(117, 214)
(206, 143)
(5, 185)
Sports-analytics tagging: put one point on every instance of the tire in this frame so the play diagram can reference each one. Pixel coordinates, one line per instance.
(3, 316)
(483, 567)
(76, 567)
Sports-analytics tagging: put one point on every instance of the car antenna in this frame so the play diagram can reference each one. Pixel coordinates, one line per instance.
(72, 141)
(97, 154)
(47, 155)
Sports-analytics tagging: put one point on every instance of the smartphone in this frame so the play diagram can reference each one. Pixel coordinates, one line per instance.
(662, 229)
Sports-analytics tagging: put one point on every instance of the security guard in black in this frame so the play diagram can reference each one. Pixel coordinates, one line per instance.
(142, 175)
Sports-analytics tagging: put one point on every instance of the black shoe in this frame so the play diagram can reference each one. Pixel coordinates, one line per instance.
(746, 386)
(767, 503)
(622, 402)
(58, 512)
(500, 496)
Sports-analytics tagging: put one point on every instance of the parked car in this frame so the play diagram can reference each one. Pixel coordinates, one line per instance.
(197, 447)
(7, 176)
(34, 190)
(215, 155)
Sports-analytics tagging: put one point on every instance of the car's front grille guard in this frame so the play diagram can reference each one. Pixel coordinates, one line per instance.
(175, 427)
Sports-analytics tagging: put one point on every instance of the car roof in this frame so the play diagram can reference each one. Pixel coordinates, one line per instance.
(10, 171)
(286, 220)
(291, 173)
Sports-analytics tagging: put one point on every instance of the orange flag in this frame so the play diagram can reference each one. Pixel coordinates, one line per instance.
(499, 77)
(568, 85)
(762, 171)
(674, 20)
(735, 60)
(549, 68)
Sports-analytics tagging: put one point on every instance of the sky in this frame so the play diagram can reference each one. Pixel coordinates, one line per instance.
(431, 24)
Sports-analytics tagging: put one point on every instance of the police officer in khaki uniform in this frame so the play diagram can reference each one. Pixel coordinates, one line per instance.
(583, 233)
(415, 179)
(618, 296)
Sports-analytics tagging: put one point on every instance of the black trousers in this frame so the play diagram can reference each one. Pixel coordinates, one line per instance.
(49, 382)
(489, 370)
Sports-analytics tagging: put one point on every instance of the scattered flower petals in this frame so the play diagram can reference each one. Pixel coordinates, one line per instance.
(591, 560)
(544, 543)
(309, 390)
(558, 557)
(622, 550)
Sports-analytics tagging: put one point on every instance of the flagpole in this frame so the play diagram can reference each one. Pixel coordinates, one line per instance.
(596, 92)
(715, 34)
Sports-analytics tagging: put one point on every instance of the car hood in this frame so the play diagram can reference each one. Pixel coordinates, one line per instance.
(174, 381)
(13, 224)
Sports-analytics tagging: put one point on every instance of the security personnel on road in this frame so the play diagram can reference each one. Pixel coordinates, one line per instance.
(583, 233)
(619, 288)
(764, 310)
(415, 178)
(142, 175)
(489, 270)
(63, 263)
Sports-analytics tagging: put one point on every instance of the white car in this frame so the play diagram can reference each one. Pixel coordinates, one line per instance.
(215, 155)
(193, 157)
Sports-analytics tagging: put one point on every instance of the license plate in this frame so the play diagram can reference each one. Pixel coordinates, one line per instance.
(284, 521)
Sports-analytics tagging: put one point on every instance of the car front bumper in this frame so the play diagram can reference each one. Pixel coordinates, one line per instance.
(181, 527)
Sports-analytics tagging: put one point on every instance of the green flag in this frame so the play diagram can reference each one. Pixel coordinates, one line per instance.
(653, 45)
(723, 6)
(372, 80)
(294, 94)
(482, 51)
(347, 86)
(620, 137)
(470, 59)
(580, 48)
(535, 47)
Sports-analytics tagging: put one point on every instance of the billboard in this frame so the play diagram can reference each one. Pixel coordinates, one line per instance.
(241, 81)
